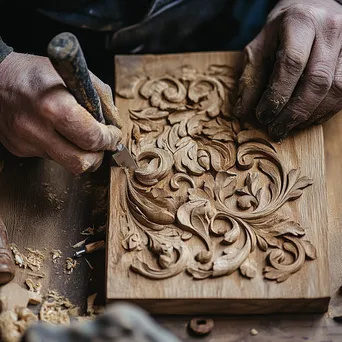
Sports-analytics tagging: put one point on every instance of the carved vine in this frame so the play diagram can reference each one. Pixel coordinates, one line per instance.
(201, 176)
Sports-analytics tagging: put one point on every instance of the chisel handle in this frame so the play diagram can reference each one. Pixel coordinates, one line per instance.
(67, 57)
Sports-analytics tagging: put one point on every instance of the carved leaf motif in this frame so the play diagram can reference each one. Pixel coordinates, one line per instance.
(151, 113)
(177, 267)
(219, 129)
(174, 182)
(160, 165)
(225, 185)
(232, 260)
(296, 184)
(186, 157)
(195, 216)
(128, 86)
(184, 137)
(222, 155)
(233, 234)
(248, 268)
(164, 93)
(310, 250)
(148, 209)
(209, 93)
(131, 239)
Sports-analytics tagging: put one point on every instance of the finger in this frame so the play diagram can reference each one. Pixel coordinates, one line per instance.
(296, 42)
(311, 89)
(332, 102)
(258, 56)
(71, 157)
(110, 111)
(77, 125)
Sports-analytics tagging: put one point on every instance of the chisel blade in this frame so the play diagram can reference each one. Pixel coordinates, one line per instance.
(123, 157)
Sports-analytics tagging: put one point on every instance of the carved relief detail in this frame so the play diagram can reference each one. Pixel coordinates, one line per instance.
(202, 177)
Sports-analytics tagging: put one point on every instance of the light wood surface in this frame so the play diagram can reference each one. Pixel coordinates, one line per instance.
(254, 272)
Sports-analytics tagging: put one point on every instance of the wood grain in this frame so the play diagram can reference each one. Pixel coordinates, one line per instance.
(250, 240)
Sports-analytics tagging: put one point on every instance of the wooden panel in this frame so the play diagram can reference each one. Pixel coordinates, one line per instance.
(217, 219)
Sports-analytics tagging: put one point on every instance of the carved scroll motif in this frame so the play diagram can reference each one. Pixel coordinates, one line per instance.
(202, 177)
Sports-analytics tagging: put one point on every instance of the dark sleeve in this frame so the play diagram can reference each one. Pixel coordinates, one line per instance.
(4, 50)
(339, 1)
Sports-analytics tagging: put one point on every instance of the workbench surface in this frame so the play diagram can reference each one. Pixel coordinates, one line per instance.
(45, 207)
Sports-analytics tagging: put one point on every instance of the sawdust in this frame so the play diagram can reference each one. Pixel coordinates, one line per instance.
(70, 265)
(52, 197)
(57, 309)
(33, 260)
(55, 255)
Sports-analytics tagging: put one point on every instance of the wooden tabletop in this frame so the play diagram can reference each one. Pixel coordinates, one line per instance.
(46, 208)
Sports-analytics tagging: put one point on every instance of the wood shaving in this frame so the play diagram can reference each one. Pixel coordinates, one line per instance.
(32, 286)
(80, 243)
(88, 231)
(57, 309)
(70, 265)
(35, 275)
(33, 260)
(55, 255)
(14, 323)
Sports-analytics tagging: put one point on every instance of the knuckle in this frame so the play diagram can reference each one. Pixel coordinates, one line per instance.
(302, 16)
(320, 80)
(47, 106)
(298, 114)
(334, 23)
(292, 61)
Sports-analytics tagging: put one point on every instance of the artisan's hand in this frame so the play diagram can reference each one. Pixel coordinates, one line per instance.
(293, 71)
(40, 118)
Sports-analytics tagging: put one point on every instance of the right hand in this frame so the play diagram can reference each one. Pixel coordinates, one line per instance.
(40, 118)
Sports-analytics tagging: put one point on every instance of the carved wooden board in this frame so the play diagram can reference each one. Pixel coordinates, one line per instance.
(216, 219)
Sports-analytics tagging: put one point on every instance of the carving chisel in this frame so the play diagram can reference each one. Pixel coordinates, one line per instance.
(66, 55)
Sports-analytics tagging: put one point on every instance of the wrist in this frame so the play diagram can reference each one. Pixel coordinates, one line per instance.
(5, 50)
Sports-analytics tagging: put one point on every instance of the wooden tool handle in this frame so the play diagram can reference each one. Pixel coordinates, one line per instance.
(66, 56)
(95, 246)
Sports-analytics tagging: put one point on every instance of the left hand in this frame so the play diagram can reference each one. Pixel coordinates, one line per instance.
(293, 71)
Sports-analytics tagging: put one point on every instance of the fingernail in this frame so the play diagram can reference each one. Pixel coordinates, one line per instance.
(264, 116)
(277, 133)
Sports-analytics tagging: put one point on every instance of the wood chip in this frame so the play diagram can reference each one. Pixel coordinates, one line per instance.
(32, 286)
(55, 255)
(33, 260)
(254, 332)
(70, 265)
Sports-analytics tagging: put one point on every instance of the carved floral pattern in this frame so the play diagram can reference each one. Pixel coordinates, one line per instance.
(201, 176)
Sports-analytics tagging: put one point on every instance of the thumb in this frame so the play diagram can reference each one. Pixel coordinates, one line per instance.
(257, 69)
(110, 111)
